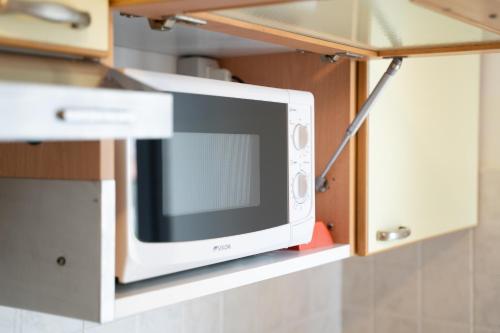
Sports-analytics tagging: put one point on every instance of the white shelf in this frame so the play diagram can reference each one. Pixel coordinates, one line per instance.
(154, 293)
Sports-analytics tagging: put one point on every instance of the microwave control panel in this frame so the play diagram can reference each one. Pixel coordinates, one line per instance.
(300, 155)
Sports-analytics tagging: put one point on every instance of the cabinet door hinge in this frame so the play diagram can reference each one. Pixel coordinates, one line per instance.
(168, 23)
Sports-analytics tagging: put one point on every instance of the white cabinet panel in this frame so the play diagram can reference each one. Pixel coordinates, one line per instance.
(57, 245)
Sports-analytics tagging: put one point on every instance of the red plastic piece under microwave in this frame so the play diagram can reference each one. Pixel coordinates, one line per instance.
(321, 238)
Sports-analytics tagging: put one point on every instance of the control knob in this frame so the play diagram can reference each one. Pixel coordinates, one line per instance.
(300, 136)
(300, 187)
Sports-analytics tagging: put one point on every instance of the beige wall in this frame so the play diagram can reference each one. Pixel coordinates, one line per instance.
(448, 284)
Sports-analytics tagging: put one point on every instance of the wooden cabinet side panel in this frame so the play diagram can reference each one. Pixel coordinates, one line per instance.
(334, 108)
(91, 160)
(361, 228)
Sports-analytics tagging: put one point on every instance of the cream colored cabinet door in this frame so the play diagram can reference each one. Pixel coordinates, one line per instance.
(419, 153)
(18, 29)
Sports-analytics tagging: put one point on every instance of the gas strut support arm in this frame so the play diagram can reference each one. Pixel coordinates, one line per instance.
(321, 183)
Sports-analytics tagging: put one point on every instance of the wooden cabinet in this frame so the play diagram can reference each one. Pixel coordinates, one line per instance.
(91, 38)
(367, 28)
(418, 154)
(413, 174)
(417, 158)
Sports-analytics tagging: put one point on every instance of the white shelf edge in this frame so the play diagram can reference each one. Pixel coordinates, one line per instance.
(151, 294)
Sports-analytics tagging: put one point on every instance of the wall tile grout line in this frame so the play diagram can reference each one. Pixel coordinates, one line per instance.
(221, 313)
(19, 322)
(373, 309)
(420, 289)
(183, 317)
(472, 279)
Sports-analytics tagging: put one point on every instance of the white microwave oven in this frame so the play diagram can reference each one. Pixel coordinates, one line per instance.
(235, 179)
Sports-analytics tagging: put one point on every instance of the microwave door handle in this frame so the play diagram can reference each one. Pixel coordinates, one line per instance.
(47, 11)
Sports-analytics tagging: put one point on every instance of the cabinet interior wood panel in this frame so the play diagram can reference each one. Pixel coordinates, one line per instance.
(91, 160)
(421, 151)
(334, 93)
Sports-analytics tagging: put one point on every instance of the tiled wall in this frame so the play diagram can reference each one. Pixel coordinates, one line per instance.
(447, 284)
(302, 302)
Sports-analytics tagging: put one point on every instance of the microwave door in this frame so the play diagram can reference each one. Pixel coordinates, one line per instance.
(223, 173)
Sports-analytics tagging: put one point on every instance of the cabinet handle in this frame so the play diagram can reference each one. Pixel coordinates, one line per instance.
(392, 235)
(48, 11)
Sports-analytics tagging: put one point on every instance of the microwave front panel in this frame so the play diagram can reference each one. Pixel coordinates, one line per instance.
(223, 173)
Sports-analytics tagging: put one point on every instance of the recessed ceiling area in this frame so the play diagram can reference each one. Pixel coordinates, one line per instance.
(135, 33)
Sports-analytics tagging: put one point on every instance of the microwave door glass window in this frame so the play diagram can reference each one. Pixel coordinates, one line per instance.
(210, 172)
(223, 173)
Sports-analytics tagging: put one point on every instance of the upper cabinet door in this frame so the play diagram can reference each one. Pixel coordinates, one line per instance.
(418, 154)
(373, 28)
(66, 26)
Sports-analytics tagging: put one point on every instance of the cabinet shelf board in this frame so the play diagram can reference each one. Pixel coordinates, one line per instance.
(154, 293)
